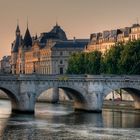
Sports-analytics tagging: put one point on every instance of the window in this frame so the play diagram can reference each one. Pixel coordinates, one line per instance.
(61, 61)
(61, 70)
(61, 53)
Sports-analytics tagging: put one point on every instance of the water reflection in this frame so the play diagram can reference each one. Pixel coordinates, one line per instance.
(52, 122)
(121, 119)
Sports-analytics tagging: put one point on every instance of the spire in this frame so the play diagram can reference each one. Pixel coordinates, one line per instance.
(27, 38)
(36, 36)
(17, 41)
(27, 22)
(17, 29)
(56, 23)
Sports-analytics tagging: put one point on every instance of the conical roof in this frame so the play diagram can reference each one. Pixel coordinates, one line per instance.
(16, 44)
(27, 39)
(17, 30)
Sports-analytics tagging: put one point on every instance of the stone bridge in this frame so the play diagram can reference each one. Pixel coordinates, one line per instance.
(87, 91)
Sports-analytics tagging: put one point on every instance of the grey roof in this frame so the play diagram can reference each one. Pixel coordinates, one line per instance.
(56, 33)
(27, 39)
(71, 44)
(17, 41)
(16, 44)
(59, 32)
(106, 34)
(135, 25)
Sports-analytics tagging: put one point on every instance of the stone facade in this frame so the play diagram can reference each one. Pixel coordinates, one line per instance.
(107, 39)
(46, 54)
(5, 64)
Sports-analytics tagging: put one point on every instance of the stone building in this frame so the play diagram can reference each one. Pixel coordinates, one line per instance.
(46, 54)
(107, 39)
(5, 64)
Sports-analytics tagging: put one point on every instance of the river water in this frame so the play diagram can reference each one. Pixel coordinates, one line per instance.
(60, 122)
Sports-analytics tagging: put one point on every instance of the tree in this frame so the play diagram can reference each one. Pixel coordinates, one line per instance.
(93, 62)
(119, 59)
(129, 62)
(84, 63)
(110, 61)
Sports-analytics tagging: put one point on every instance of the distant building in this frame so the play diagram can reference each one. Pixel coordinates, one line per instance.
(107, 39)
(46, 54)
(5, 64)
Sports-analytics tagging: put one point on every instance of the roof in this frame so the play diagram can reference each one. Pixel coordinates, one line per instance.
(27, 39)
(17, 30)
(56, 33)
(71, 44)
(16, 44)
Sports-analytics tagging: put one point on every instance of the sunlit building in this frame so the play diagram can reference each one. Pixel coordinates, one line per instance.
(46, 54)
(107, 39)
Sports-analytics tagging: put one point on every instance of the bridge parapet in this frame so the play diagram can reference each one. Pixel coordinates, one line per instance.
(71, 77)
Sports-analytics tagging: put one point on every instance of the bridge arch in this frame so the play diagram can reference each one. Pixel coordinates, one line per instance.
(12, 96)
(133, 90)
(75, 93)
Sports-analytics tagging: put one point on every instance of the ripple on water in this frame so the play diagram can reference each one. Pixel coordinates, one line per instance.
(39, 130)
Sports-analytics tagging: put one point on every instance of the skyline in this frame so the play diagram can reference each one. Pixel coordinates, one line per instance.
(77, 18)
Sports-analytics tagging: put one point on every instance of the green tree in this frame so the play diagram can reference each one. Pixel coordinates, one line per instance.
(84, 63)
(110, 61)
(129, 62)
(93, 62)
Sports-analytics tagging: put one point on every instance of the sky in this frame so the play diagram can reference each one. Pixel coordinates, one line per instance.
(78, 18)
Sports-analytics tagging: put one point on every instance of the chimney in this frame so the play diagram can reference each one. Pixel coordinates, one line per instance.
(74, 39)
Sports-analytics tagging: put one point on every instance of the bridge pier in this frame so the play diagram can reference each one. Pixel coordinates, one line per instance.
(55, 95)
(26, 104)
(93, 103)
(137, 104)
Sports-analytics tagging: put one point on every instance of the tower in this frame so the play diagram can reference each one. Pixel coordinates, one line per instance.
(14, 50)
(17, 31)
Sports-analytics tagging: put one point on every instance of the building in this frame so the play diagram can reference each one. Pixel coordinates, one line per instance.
(46, 54)
(5, 64)
(107, 39)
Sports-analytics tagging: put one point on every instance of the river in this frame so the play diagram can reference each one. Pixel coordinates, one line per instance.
(60, 122)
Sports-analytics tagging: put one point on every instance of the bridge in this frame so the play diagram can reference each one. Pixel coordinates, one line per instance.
(87, 91)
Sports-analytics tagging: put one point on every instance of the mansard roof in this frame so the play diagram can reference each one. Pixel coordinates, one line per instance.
(135, 25)
(71, 44)
(59, 32)
(55, 34)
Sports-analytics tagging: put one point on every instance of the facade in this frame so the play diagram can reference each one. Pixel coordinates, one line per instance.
(107, 39)
(46, 54)
(5, 64)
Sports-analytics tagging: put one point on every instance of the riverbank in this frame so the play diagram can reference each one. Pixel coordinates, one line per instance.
(127, 105)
